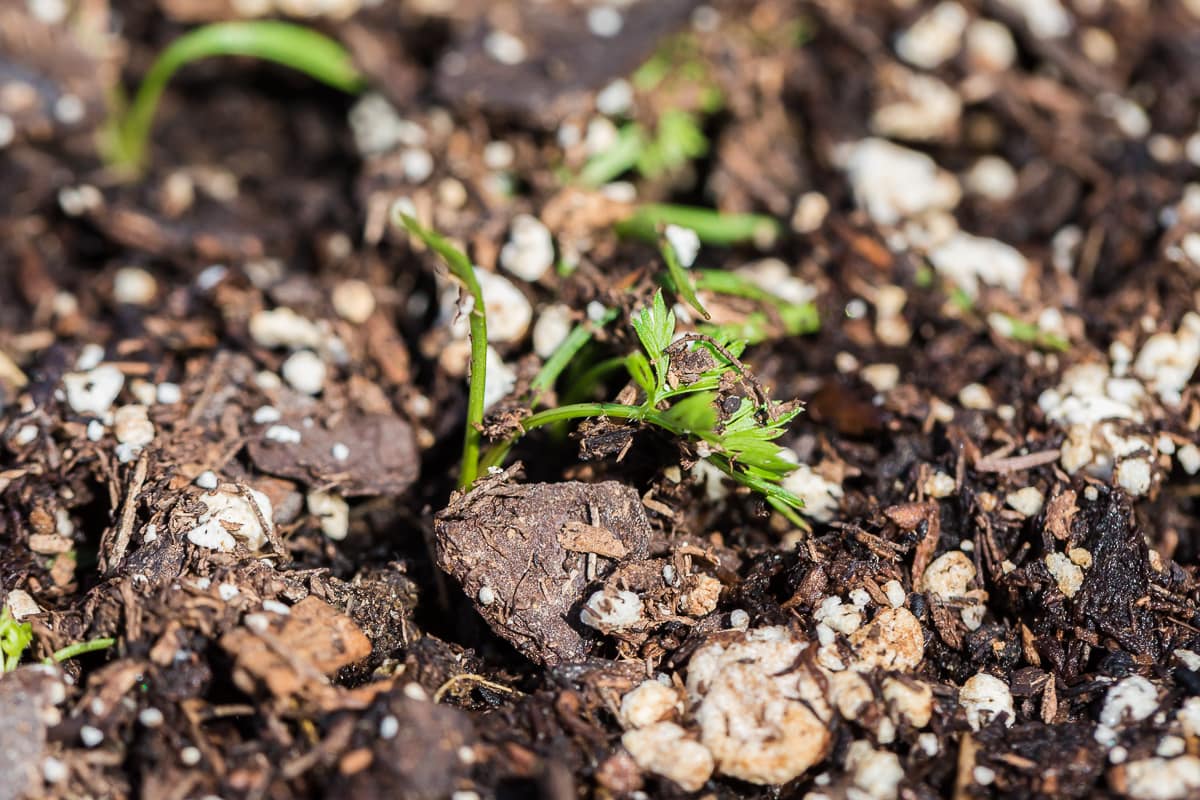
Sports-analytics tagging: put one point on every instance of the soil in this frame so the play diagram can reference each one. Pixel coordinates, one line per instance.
(232, 398)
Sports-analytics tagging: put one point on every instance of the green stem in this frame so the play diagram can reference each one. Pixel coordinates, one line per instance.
(293, 46)
(580, 335)
(460, 265)
(495, 457)
(711, 226)
(80, 648)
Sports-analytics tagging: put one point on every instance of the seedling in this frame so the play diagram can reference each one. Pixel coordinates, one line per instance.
(14, 638)
(711, 226)
(676, 140)
(293, 46)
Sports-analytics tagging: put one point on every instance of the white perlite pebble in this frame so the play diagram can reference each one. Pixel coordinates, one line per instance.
(1189, 715)
(685, 242)
(229, 513)
(1189, 458)
(167, 393)
(940, 485)
(984, 697)
(739, 619)
(529, 252)
(605, 21)
(615, 98)
(1166, 361)
(970, 260)
(910, 701)
(25, 435)
(1047, 19)
(150, 717)
(841, 618)
(134, 286)
(1067, 575)
(508, 311)
(21, 604)
(282, 327)
(1132, 699)
(133, 427)
(91, 736)
(881, 377)
(762, 720)
(990, 46)
(649, 702)
(1027, 502)
(1163, 778)
(1134, 476)
(935, 37)
(54, 770)
(94, 391)
(611, 609)
(665, 749)
(821, 498)
(877, 773)
(505, 48)
(551, 329)
(354, 301)
(417, 164)
(893, 183)
(895, 593)
(265, 415)
(333, 513)
(991, 177)
(283, 434)
(949, 576)
(775, 276)
(305, 372)
(927, 109)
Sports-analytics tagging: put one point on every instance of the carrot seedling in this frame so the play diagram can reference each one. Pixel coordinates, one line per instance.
(293, 46)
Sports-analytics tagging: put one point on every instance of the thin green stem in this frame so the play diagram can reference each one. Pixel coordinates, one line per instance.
(461, 266)
(580, 335)
(293, 46)
(711, 226)
(80, 648)
(495, 457)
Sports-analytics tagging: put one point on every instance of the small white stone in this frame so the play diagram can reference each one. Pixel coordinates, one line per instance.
(821, 497)
(134, 286)
(1047, 19)
(877, 773)
(283, 327)
(1027, 502)
(990, 46)
(665, 749)
(984, 776)
(909, 701)
(616, 98)
(25, 435)
(90, 357)
(190, 756)
(54, 771)
(1066, 574)
(551, 329)
(8, 131)
(928, 742)
(1170, 746)
(529, 252)
(150, 533)
(207, 480)
(1163, 778)
(305, 372)
(227, 591)
(22, 605)
(339, 451)
(265, 415)
(210, 276)
(94, 391)
(1189, 715)
(984, 697)
(91, 736)
(685, 242)
(501, 379)
(487, 595)
(354, 301)
(389, 726)
(811, 210)
(1134, 476)
(612, 609)
(881, 377)
(935, 37)
(970, 260)
(417, 165)
(991, 177)
(841, 618)
(167, 393)
(1189, 458)
(940, 485)
(927, 109)
(498, 155)
(150, 717)
(893, 183)
(739, 619)
(505, 48)
(333, 513)
(283, 434)
(509, 313)
(649, 702)
(415, 691)
(132, 426)
(895, 593)
(975, 396)
(1132, 699)
(949, 576)
(605, 21)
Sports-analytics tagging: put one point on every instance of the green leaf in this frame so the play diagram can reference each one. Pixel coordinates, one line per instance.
(641, 372)
(293, 46)
(681, 281)
(616, 160)
(15, 637)
(655, 327)
(694, 415)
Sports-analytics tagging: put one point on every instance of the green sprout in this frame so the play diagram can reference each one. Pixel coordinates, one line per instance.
(14, 638)
(742, 445)
(1027, 332)
(293, 46)
(81, 648)
(460, 267)
(713, 227)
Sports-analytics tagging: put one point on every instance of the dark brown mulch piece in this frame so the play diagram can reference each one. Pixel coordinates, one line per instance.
(383, 457)
(509, 546)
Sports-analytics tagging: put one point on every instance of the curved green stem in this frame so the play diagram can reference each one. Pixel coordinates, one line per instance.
(293, 46)
(495, 457)
(80, 648)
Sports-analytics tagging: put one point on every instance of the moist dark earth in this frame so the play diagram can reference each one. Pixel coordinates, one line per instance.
(233, 392)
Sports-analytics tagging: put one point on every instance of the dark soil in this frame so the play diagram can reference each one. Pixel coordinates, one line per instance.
(999, 444)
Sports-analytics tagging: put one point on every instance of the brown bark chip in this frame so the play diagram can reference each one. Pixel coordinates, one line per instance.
(514, 549)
